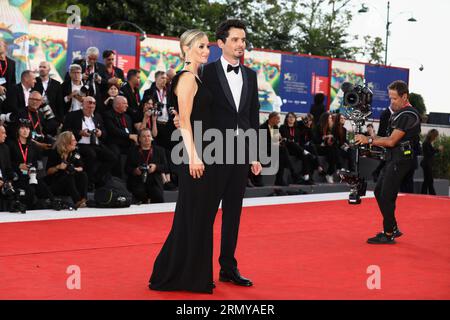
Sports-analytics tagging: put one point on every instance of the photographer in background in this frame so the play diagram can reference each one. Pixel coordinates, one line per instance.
(50, 90)
(149, 114)
(130, 90)
(144, 166)
(65, 174)
(71, 90)
(429, 153)
(90, 134)
(24, 160)
(326, 144)
(6, 172)
(403, 133)
(43, 122)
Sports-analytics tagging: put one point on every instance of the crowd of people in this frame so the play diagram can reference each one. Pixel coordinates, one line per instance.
(67, 139)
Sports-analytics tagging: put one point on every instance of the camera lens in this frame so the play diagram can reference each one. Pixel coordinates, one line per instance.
(351, 99)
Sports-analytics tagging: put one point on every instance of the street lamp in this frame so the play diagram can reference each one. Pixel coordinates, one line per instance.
(365, 9)
(143, 35)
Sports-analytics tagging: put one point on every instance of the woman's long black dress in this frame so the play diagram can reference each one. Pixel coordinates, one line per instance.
(185, 260)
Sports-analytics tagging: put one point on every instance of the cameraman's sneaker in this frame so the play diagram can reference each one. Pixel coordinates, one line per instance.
(382, 238)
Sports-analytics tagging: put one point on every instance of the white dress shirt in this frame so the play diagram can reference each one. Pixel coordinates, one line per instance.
(162, 97)
(76, 105)
(235, 81)
(88, 123)
(26, 94)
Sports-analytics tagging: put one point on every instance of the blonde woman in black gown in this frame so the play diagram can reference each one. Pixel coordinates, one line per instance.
(185, 260)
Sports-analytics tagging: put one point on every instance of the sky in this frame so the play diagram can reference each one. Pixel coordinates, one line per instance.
(412, 44)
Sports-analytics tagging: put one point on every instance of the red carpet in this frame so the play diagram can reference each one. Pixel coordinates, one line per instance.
(300, 251)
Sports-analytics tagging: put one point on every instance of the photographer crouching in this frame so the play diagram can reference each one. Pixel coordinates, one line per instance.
(403, 133)
(65, 174)
(144, 166)
(33, 192)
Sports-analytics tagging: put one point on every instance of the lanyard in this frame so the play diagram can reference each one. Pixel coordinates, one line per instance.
(3, 71)
(122, 120)
(292, 131)
(38, 122)
(24, 154)
(161, 96)
(149, 155)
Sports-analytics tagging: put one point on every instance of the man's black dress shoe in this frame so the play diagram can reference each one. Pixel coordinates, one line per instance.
(234, 277)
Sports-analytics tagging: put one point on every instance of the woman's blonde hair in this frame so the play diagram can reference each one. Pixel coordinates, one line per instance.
(63, 141)
(188, 38)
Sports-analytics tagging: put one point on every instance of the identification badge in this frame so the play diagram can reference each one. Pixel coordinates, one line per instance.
(33, 135)
(24, 172)
(2, 81)
(127, 131)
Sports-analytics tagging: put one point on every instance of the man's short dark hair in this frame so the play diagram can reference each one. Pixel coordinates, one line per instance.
(107, 53)
(159, 73)
(25, 73)
(273, 114)
(400, 86)
(132, 73)
(222, 31)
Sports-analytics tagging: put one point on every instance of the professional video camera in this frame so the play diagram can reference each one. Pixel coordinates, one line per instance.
(357, 108)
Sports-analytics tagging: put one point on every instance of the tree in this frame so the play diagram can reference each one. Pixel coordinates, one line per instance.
(372, 50)
(417, 102)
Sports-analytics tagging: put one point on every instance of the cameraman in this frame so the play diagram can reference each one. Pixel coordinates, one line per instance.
(149, 114)
(6, 174)
(144, 166)
(90, 133)
(65, 174)
(43, 126)
(24, 159)
(71, 90)
(403, 133)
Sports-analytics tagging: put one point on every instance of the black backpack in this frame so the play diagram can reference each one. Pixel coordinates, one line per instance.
(113, 194)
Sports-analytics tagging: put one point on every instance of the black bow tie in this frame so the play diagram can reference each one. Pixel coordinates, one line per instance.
(231, 68)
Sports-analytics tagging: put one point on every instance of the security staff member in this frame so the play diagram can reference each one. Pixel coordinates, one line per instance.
(403, 134)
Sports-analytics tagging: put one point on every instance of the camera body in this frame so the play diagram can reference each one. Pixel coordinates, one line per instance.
(358, 185)
(357, 97)
(47, 112)
(144, 169)
(93, 137)
(70, 167)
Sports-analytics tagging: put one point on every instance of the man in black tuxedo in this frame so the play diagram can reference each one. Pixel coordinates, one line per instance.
(7, 70)
(51, 91)
(18, 94)
(236, 106)
(121, 131)
(88, 129)
(130, 90)
(111, 75)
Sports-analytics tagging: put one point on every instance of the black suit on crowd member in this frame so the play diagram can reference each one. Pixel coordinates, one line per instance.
(153, 188)
(232, 178)
(117, 73)
(98, 158)
(41, 124)
(134, 109)
(66, 89)
(10, 73)
(16, 98)
(98, 68)
(118, 139)
(54, 96)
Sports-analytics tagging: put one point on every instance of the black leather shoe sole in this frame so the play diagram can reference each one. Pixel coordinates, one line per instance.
(243, 284)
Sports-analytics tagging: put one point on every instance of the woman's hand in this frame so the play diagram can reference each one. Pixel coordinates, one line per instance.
(196, 168)
(23, 167)
(61, 166)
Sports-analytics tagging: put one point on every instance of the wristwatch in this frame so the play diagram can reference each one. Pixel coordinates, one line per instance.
(370, 140)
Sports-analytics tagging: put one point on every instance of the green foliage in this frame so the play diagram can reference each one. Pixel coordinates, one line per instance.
(417, 102)
(317, 27)
(441, 167)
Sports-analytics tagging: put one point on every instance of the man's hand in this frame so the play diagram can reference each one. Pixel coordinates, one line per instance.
(98, 133)
(85, 133)
(256, 167)
(361, 139)
(152, 168)
(2, 90)
(133, 137)
(23, 167)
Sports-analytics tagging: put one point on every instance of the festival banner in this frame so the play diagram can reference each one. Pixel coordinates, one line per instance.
(268, 69)
(378, 79)
(14, 24)
(48, 43)
(301, 78)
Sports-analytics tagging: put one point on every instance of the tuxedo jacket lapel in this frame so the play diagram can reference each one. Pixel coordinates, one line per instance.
(244, 92)
(224, 83)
